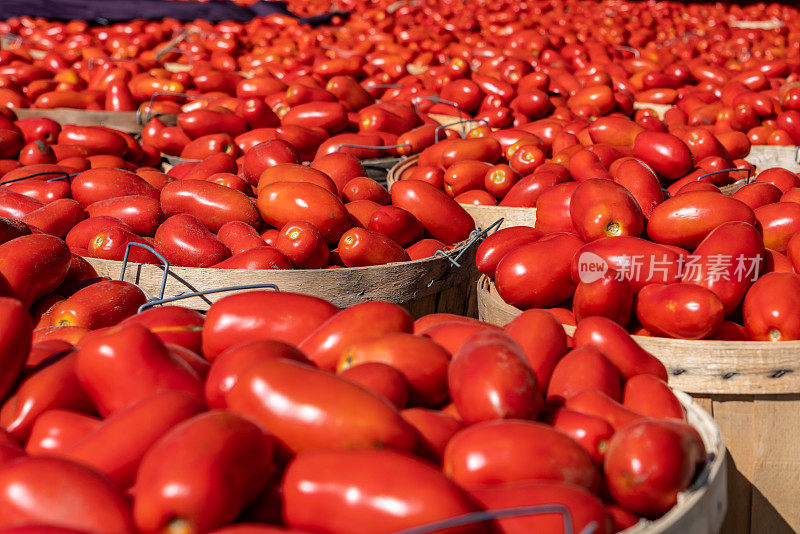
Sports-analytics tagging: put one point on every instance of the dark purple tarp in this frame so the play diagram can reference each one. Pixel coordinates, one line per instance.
(123, 10)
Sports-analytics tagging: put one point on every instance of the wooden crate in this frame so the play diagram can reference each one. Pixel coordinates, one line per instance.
(752, 389)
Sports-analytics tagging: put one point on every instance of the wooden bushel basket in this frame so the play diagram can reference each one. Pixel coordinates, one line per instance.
(424, 286)
(752, 389)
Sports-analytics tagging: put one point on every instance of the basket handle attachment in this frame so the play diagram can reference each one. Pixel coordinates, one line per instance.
(476, 236)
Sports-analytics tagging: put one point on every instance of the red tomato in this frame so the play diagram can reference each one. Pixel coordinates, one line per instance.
(580, 369)
(537, 275)
(284, 202)
(652, 397)
(280, 315)
(441, 216)
(617, 212)
(489, 378)
(618, 346)
(649, 462)
(196, 455)
(97, 505)
(130, 350)
(771, 308)
(341, 492)
(328, 345)
(685, 220)
(422, 362)
(185, 241)
(495, 452)
(684, 311)
(306, 408)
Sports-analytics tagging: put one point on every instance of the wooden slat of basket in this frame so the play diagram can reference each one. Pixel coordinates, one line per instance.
(403, 283)
(125, 121)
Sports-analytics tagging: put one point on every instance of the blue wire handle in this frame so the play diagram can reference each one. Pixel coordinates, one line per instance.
(474, 236)
(748, 170)
(156, 253)
(487, 515)
(165, 93)
(43, 173)
(437, 100)
(156, 302)
(465, 121)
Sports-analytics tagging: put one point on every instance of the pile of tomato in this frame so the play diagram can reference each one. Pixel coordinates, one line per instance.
(633, 133)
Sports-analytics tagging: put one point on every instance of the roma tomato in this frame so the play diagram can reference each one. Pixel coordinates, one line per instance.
(196, 456)
(284, 202)
(771, 308)
(278, 395)
(340, 492)
(580, 369)
(727, 262)
(542, 339)
(382, 379)
(304, 245)
(667, 154)
(104, 183)
(359, 247)
(185, 241)
(537, 275)
(141, 213)
(489, 378)
(326, 346)
(171, 324)
(684, 311)
(422, 362)
(649, 462)
(778, 222)
(585, 509)
(32, 266)
(601, 208)
(289, 317)
(608, 296)
(15, 341)
(652, 397)
(99, 305)
(590, 431)
(685, 220)
(618, 346)
(495, 452)
(97, 505)
(441, 216)
(117, 446)
(125, 351)
(496, 246)
(212, 204)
